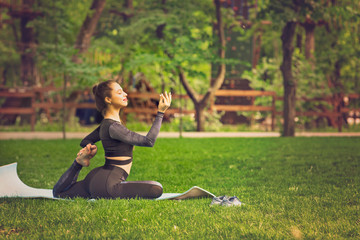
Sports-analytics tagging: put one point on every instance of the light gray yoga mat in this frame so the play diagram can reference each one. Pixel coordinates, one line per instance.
(12, 186)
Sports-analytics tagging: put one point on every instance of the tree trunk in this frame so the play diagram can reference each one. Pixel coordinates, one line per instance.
(129, 4)
(337, 95)
(200, 117)
(27, 47)
(256, 48)
(309, 27)
(289, 82)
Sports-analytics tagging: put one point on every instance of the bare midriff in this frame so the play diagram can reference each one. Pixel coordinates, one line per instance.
(126, 167)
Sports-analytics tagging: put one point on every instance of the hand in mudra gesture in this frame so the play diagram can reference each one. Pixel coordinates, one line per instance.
(165, 101)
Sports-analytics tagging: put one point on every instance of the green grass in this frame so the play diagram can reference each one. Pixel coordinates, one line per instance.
(292, 188)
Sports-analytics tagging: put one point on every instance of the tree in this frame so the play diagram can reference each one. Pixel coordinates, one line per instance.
(201, 103)
(179, 37)
(47, 45)
(339, 52)
(330, 25)
(43, 32)
(26, 42)
(289, 82)
(286, 15)
(25, 46)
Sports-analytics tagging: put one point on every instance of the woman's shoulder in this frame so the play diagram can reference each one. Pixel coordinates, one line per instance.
(109, 126)
(115, 124)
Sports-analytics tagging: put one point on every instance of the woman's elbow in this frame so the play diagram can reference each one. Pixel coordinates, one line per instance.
(150, 143)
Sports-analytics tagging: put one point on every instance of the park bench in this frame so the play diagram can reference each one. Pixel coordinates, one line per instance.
(40, 99)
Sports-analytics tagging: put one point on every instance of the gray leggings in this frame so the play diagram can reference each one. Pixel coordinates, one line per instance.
(107, 181)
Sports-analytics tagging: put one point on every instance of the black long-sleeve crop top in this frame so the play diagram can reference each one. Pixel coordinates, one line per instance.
(117, 140)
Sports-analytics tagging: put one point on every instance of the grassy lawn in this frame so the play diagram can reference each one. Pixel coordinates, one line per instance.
(292, 188)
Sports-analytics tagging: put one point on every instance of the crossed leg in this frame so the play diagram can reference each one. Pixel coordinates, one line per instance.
(102, 182)
(67, 182)
(137, 189)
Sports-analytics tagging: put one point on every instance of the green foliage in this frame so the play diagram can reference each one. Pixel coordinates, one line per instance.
(181, 35)
(336, 42)
(61, 21)
(311, 84)
(182, 42)
(212, 121)
(334, 68)
(55, 61)
(288, 190)
(155, 38)
(338, 46)
(9, 56)
(265, 77)
(57, 32)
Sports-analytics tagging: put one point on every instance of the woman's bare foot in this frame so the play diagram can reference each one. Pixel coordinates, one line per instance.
(85, 154)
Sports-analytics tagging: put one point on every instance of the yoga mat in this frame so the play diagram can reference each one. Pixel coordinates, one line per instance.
(12, 186)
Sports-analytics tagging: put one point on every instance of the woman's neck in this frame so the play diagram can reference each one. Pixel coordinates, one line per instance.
(114, 115)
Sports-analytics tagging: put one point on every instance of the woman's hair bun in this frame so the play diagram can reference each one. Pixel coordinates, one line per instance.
(95, 88)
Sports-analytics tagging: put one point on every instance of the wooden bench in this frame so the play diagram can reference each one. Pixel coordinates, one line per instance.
(36, 104)
(246, 108)
(12, 93)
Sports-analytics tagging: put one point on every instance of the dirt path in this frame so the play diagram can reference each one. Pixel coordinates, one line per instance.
(76, 135)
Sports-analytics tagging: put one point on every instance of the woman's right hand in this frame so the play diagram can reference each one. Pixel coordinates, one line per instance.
(165, 102)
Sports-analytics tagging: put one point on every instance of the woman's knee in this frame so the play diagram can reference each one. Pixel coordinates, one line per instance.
(55, 192)
(158, 191)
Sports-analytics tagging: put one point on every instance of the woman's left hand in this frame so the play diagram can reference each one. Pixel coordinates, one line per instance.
(165, 102)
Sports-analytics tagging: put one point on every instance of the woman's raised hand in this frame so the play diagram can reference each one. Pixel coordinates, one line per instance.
(165, 101)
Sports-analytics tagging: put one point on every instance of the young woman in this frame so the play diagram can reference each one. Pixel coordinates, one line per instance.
(108, 181)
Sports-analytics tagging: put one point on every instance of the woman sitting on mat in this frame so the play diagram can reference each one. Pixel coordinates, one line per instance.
(108, 181)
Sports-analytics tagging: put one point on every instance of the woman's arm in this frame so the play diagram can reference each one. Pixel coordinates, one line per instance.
(92, 138)
(121, 133)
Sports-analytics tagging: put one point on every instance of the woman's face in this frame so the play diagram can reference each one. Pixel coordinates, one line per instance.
(118, 96)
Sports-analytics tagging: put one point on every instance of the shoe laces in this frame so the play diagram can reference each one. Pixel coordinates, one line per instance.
(226, 201)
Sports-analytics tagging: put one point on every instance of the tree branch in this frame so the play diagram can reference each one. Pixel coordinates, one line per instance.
(189, 90)
(88, 28)
(124, 15)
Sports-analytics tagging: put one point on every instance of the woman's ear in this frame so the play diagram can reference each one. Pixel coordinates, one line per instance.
(107, 100)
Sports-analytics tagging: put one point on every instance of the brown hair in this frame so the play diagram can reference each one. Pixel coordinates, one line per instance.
(101, 91)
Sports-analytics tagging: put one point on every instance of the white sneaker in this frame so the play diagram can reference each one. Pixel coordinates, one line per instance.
(218, 200)
(233, 201)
